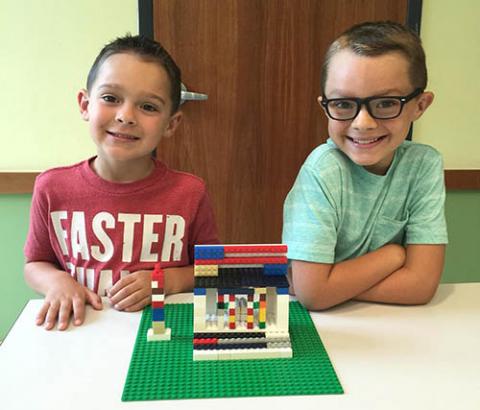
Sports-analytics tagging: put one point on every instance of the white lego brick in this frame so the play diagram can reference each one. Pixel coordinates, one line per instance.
(199, 355)
(158, 298)
(154, 284)
(243, 354)
(283, 305)
(152, 337)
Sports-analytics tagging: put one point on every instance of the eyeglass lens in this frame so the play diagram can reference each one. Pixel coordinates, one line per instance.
(382, 107)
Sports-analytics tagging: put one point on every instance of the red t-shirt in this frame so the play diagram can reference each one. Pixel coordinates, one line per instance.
(100, 231)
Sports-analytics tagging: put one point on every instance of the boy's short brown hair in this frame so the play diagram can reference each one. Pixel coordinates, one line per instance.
(377, 38)
(147, 49)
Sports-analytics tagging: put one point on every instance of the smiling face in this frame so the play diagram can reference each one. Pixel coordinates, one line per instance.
(129, 110)
(367, 141)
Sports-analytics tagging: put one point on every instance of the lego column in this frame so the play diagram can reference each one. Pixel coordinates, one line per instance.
(158, 331)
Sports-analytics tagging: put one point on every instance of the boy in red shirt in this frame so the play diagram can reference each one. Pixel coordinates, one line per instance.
(98, 227)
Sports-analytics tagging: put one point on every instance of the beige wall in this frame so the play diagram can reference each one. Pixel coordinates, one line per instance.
(47, 49)
(451, 35)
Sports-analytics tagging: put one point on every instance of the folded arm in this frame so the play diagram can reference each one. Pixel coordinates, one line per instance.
(415, 282)
(320, 285)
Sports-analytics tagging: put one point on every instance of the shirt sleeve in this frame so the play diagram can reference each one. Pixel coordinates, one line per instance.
(310, 215)
(204, 229)
(426, 222)
(38, 246)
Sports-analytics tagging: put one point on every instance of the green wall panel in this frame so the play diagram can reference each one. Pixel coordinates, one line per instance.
(14, 293)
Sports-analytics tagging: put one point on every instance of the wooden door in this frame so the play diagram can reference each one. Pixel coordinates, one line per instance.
(259, 62)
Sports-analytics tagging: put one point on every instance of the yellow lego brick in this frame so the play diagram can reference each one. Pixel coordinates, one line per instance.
(158, 327)
(206, 270)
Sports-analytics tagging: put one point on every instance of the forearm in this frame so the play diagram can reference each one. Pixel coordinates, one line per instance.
(40, 275)
(178, 280)
(322, 288)
(415, 282)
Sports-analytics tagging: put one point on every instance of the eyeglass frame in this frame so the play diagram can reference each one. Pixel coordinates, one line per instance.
(365, 101)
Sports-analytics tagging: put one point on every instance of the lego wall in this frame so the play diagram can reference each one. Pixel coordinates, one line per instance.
(47, 112)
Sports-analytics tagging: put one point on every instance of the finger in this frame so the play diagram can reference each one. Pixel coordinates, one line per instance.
(94, 300)
(139, 305)
(125, 281)
(64, 314)
(78, 311)
(52, 315)
(124, 293)
(131, 299)
(40, 318)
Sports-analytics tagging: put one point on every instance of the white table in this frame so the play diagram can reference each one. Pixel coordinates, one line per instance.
(386, 357)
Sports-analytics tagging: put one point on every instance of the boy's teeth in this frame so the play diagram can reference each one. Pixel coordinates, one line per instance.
(365, 141)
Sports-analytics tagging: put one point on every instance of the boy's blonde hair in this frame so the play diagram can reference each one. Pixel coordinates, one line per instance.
(377, 38)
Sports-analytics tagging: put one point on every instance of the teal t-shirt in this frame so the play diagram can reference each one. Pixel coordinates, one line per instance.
(337, 210)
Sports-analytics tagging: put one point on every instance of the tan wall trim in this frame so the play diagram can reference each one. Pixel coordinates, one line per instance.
(462, 179)
(22, 182)
(17, 182)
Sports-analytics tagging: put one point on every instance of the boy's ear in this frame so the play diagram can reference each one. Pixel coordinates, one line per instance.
(173, 124)
(319, 100)
(423, 102)
(82, 99)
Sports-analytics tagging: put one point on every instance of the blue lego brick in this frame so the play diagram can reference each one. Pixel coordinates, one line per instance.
(158, 315)
(199, 291)
(282, 291)
(275, 269)
(209, 252)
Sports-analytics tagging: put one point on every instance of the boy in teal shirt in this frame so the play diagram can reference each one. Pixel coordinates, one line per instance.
(365, 217)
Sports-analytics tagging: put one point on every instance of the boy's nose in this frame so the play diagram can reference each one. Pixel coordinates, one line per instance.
(364, 120)
(125, 116)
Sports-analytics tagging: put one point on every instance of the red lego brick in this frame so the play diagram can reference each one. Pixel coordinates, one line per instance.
(243, 261)
(209, 341)
(157, 305)
(158, 275)
(255, 248)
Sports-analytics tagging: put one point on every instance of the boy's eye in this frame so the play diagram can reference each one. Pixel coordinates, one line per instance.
(343, 104)
(149, 107)
(109, 98)
(386, 103)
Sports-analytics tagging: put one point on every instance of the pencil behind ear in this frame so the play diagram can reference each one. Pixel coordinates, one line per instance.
(82, 99)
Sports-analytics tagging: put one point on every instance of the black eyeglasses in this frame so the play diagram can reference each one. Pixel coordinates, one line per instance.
(381, 108)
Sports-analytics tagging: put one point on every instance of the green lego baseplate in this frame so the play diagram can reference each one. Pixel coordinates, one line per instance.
(166, 370)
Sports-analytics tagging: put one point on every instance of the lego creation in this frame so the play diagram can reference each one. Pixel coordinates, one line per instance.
(158, 331)
(166, 371)
(240, 302)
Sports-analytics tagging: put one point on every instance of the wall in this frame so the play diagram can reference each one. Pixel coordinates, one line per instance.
(48, 48)
(51, 47)
(450, 32)
(36, 109)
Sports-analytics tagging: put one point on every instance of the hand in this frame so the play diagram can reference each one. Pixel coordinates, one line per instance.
(133, 292)
(64, 298)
